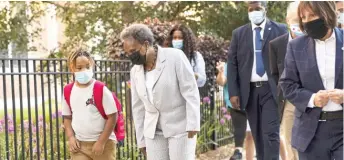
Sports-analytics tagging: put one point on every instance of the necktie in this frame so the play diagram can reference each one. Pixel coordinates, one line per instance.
(258, 53)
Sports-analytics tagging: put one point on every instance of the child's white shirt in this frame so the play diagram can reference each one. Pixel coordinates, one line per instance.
(87, 122)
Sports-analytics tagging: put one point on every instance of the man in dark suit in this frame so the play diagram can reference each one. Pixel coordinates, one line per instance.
(278, 49)
(312, 80)
(251, 87)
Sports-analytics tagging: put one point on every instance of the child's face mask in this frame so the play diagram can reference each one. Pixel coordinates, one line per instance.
(83, 77)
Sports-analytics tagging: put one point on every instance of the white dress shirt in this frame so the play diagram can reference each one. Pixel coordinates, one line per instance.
(150, 76)
(326, 60)
(149, 84)
(290, 37)
(254, 76)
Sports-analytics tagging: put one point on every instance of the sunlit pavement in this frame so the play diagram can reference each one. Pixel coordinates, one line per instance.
(222, 153)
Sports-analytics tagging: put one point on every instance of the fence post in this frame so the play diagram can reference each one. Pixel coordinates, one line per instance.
(213, 113)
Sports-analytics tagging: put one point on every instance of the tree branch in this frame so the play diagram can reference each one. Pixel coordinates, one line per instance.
(176, 12)
(56, 4)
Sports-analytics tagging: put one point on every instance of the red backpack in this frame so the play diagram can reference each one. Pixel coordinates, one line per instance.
(98, 99)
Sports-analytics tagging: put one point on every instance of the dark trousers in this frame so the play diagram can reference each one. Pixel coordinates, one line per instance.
(262, 114)
(239, 125)
(327, 143)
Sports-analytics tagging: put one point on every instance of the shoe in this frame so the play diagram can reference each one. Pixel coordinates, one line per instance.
(237, 155)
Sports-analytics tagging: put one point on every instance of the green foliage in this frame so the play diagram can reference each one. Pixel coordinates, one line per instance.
(91, 22)
(221, 18)
(277, 10)
(14, 24)
(210, 18)
(217, 123)
(41, 130)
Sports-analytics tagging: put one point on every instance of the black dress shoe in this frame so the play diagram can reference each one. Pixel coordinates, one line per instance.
(237, 155)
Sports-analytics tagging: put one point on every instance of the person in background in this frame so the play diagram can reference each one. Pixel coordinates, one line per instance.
(312, 81)
(165, 97)
(182, 37)
(250, 85)
(340, 13)
(241, 128)
(278, 49)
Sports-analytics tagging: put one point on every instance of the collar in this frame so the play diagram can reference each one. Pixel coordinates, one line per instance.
(333, 35)
(261, 25)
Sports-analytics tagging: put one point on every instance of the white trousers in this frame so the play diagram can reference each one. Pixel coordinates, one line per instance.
(178, 147)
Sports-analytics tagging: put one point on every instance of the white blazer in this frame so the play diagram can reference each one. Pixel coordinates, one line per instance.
(176, 101)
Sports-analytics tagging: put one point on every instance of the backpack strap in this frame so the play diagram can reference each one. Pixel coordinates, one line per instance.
(67, 90)
(118, 103)
(98, 97)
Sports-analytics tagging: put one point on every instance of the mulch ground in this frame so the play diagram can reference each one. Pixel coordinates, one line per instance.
(222, 153)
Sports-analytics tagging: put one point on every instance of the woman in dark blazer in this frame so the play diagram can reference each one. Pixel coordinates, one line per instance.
(313, 81)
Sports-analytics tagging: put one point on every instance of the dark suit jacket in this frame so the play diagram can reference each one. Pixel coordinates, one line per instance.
(240, 59)
(277, 51)
(301, 79)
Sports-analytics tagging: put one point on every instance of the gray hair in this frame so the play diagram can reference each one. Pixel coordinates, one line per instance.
(138, 32)
(292, 7)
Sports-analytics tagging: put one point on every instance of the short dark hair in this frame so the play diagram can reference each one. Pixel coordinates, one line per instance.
(326, 10)
(263, 3)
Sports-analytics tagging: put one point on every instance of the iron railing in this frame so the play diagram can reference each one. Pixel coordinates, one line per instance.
(31, 118)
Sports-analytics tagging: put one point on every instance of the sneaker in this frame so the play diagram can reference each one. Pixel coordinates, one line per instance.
(237, 155)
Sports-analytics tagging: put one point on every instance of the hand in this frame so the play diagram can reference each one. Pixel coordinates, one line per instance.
(321, 98)
(220, 66)
(235, 102)
(98, 148)
(336, 95)
(74, 144)
(143, 150)
(191, 134)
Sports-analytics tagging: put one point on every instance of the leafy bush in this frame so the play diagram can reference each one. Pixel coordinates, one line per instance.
(37, 133)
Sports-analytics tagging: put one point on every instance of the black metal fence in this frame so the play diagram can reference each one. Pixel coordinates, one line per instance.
(31, 117)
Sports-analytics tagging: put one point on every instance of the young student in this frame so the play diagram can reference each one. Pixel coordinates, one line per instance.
(91, 137)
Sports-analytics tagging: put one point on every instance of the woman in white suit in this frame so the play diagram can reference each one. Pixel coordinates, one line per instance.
(165, 97)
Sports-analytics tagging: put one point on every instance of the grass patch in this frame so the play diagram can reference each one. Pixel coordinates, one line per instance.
(25, 111)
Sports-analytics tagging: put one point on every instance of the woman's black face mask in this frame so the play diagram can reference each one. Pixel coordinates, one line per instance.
(138, 59)
(316, 29)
